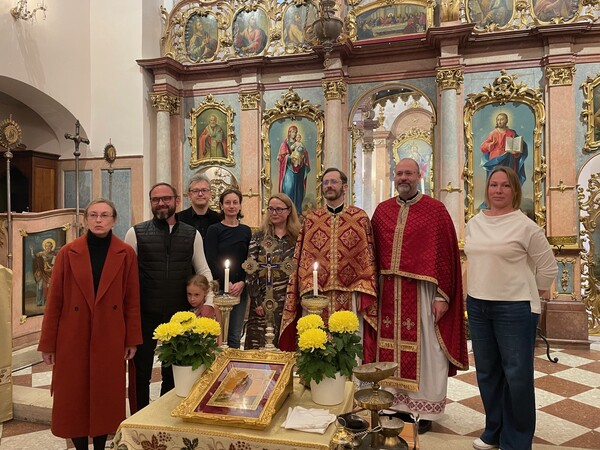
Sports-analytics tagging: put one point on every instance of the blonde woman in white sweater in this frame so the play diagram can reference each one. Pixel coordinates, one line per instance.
(511, 265)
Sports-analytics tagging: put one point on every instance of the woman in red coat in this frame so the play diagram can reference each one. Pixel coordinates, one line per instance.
(91, 326)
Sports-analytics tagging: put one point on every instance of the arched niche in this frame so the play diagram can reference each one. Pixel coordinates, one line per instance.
(384, 119)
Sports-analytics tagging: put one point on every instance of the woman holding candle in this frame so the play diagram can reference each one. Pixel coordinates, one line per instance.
(277, 238)
(229, 241)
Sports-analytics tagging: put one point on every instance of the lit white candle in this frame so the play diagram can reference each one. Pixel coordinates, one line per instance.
(315, 280)
(226, 283)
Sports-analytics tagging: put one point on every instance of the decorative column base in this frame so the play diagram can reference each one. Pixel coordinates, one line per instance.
(565, 324)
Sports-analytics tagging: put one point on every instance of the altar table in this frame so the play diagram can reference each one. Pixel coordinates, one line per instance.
(153, 428)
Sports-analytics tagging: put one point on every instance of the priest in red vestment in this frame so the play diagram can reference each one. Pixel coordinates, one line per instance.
(421, 323)
(340, 239)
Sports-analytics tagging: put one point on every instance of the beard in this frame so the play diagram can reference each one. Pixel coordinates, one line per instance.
(163, 213)
(333, 194)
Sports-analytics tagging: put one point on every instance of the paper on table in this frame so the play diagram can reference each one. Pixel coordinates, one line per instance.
(310, 420)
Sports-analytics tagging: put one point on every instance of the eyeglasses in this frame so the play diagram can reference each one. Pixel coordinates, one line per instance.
(199, 191)
(333, 182)
(165, 199)
(407, 173)
(276, 210)
(102, 216)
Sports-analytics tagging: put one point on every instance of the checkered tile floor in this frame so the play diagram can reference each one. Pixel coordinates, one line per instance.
(567, 396)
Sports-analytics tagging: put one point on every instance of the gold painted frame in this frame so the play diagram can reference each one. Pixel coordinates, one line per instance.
(590, 257)
(199, 123)
(355, 28)
(506, 92)
(426, 164)
(242, 388)
(591, 113)
(292, 111)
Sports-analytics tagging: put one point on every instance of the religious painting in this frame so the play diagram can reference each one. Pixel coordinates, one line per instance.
(591, 112)
(201, 37)
(250, 32)
(490, 15)
(295, 21)
(382, 20)
(589, 206)
(503, 127)
(417, 144)
(242, 389)
(39, 254)
(292, 138)
(211, 137)
(555, 11)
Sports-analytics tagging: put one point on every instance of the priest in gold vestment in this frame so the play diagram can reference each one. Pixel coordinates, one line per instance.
(340, 239)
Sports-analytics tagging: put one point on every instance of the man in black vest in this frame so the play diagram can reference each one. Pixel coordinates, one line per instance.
(168, 251)
(199, 215)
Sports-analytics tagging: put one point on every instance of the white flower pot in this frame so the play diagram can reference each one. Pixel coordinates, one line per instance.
(185, 378)
(329, 391)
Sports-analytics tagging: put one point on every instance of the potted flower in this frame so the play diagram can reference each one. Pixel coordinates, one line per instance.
(189, 344)
(326, 356)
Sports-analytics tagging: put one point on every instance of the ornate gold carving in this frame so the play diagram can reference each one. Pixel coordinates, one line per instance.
(249, 100)
(23, 232)
(10, 134)
(562, 241)
(590, 268)
(334, 89)
(505, 89)
(165, 102)
(560, 75)
(591, 113)
(250, 193)
(562, 187)
(291, 107)
(449, 78)
(208, 104)
(368, 147)
(565, 277)
(450, 189)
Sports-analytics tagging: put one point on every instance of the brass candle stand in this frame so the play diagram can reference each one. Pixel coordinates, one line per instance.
(314, 304)
(225, 303)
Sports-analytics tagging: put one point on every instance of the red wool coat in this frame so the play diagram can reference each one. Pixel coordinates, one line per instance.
(89, 335)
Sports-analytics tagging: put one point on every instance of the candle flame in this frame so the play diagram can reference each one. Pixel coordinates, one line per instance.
(227, 264)
(316, 266)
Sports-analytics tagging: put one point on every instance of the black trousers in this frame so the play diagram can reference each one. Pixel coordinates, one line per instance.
(144, 358)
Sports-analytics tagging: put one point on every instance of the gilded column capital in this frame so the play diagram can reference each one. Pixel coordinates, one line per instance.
(334, 89)
(368, 147)
(560, 74)
(249, 100)
(165, 102)
(449, 78)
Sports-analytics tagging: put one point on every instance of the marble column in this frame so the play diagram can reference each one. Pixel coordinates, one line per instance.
(450, 132)
(336, 141)
(250, 182)
(564, 318)
(166, 105)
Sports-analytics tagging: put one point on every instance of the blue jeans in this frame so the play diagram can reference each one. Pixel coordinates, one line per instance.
(503, 335)
(236, 322)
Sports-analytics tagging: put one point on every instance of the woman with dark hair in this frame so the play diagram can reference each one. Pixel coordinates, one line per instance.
(276, 237)
(511, 265)
(91, 327)
(228, 241)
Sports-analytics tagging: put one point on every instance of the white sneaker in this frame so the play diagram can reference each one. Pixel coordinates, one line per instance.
(478, 444)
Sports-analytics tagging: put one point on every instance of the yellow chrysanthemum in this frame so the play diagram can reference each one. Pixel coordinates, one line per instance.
(166, 331)
(343, 322)
(312, 339)
(206, 326)
(183, 316)
(309, 322)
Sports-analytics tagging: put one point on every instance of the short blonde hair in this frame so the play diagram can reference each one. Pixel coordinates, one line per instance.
(513, 181)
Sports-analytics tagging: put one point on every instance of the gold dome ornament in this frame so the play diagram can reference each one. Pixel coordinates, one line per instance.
(10, 133)
(110, 153)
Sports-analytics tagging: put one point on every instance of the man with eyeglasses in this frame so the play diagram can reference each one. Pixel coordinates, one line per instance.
(340, 239)
(199, 215)
(168, 251)
(421, 311)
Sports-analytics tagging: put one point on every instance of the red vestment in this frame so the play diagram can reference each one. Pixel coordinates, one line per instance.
(417, 242)
(343, 246)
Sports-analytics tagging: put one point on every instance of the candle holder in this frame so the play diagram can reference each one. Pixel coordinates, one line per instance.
(225, 303)
(314, 304)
